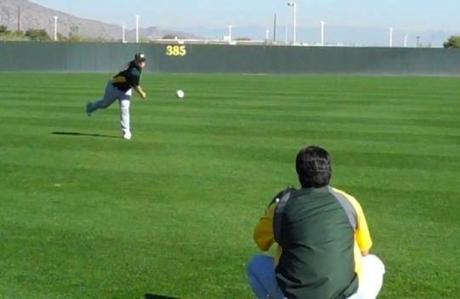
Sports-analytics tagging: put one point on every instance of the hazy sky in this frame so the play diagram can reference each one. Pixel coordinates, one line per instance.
(400, 14)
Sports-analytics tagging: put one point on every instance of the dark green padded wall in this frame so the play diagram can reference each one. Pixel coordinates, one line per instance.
(109, 57)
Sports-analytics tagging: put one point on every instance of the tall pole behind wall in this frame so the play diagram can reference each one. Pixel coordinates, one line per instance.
(55, 27)
(391, 37)
(19, 19)
(293, 4)
(137, 28)
(322, 33)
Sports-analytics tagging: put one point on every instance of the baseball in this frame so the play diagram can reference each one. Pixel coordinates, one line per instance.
(180, 94)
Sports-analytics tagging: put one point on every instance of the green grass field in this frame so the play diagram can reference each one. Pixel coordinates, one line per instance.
(85, 214)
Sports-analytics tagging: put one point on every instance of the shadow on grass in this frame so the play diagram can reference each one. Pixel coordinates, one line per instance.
(84, 134)
(152, 296)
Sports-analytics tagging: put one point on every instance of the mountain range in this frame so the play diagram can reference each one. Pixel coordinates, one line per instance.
(24, 15)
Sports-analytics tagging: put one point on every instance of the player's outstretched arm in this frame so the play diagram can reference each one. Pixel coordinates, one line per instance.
(140, 91)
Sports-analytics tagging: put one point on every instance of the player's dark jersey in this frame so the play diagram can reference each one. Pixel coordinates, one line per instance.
(128, 78)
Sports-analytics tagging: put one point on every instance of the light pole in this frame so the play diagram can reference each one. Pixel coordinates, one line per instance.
(55, 27)
(293, 4)
(322, 33)
(286, 28)
(391, 37)
(123, 33)
(137, 28)
(229, 34)
(19, 19)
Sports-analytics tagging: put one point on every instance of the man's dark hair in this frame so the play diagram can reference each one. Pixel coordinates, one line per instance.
(313, 165)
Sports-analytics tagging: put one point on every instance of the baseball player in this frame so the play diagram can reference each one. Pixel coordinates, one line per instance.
(120, 88)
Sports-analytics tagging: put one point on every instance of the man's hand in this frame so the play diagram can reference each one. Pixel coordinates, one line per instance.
(141, 92)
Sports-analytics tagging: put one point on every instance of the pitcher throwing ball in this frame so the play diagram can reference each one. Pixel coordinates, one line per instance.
(120, 88)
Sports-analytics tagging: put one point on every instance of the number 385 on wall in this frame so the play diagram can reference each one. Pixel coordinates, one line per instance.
(176, 50)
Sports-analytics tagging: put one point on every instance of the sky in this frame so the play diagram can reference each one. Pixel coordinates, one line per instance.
(409, 15)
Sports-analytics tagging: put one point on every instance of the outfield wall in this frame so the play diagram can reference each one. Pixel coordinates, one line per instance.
(109, 57)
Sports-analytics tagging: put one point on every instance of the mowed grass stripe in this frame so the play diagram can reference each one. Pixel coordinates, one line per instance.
(266, 110)
(290, 117)
(444, 146)
(269, 106)
(366, 156)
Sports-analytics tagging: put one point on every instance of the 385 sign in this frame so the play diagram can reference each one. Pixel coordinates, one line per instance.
(176, 50)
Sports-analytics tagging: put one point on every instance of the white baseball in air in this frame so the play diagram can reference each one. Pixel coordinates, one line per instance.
(180, 94)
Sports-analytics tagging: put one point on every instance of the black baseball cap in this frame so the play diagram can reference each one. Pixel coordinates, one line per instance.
(140, 57)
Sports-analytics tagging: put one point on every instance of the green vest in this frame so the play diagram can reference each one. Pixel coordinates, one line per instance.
(315, 228)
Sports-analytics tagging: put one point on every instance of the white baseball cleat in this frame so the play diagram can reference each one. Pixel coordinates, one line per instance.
(127, 135)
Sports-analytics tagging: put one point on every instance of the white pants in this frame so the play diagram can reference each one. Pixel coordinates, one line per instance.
(111, 95)
(262, 278)
(371, 279)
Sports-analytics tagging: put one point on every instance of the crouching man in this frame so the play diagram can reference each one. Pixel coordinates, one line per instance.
(321, 237)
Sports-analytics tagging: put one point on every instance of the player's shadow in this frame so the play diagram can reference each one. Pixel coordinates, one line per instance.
(78, 134)
(152, 296)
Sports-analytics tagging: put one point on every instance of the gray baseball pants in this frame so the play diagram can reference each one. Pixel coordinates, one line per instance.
(111, 95)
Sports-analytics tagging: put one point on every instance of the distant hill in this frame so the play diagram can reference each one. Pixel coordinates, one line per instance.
(156, 33)
(34, 16)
